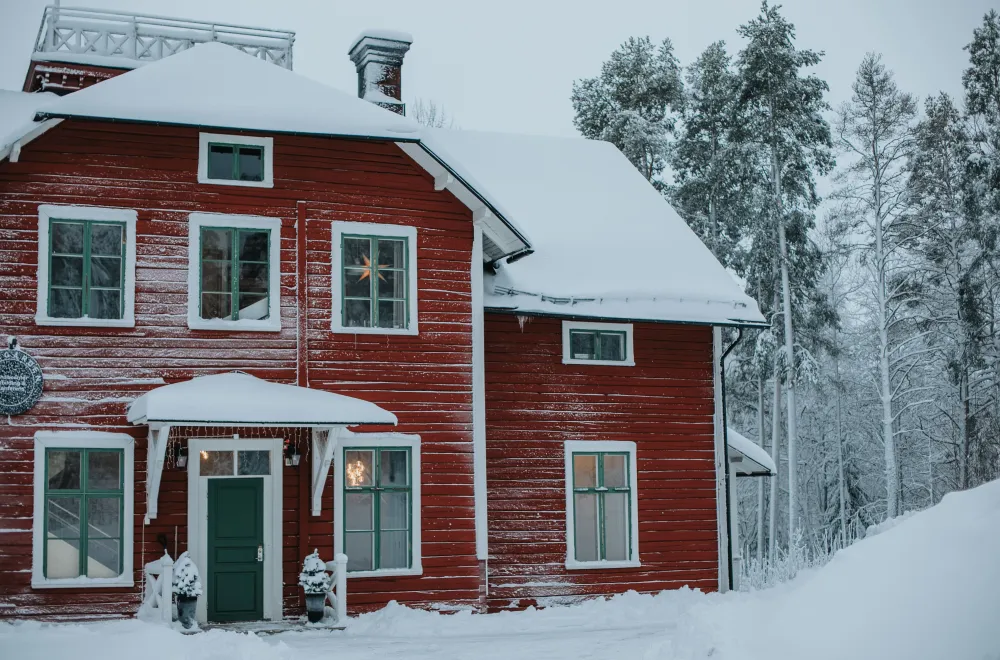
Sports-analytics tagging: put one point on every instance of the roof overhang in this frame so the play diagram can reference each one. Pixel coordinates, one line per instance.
(239, 399)
(746, 458)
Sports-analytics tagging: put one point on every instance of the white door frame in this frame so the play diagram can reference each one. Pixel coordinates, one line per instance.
(198, 515)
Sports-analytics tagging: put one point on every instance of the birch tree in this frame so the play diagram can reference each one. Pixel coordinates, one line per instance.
(875, 132)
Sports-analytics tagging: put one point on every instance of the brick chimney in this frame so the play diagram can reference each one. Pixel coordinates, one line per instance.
(378, 56)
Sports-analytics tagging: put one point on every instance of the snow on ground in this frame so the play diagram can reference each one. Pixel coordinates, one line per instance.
(926, 589)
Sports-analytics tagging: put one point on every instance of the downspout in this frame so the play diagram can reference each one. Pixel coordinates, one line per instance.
(725, 449)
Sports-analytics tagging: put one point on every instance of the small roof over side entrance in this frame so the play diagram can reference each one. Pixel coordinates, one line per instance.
(748, 458)
(236, 398)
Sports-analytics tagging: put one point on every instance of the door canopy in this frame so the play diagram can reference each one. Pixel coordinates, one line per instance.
(235, 399)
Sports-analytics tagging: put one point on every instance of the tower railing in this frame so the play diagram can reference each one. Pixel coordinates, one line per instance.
(83, 32)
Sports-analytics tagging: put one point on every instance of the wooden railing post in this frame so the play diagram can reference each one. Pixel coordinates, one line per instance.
(341, 577)
(167, 588)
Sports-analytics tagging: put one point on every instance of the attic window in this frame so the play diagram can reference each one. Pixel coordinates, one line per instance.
(236, 160)
(597, 343)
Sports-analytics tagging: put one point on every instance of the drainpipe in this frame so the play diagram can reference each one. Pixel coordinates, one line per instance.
(725, 449)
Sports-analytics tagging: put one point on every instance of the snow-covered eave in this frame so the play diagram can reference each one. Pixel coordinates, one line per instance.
(12, 150)
(503, 230)
(678, 319)
(88, 59)
(144, 421)
(753, 459)
(382, 137)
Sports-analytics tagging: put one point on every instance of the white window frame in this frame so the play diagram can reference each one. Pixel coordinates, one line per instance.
(593, 446)
(204, 139)
(376, 440)
(82, 440)
(49, 212)
(568, 358)
(195, 223)
(338, 229)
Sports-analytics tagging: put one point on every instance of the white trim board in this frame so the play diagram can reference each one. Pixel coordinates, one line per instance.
(591, 446)
(195, 223)
(197, 515)
(240, 140)
(83, 440)
(363, 440)
(49, 212)
(337, 229)
(567, 357)
(479, 397)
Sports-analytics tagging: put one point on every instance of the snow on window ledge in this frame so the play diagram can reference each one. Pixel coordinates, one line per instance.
(416, 569)
(195, 223)
(48, 212)
(573, 565)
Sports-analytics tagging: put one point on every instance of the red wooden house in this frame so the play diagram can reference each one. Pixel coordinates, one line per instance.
(272, 317)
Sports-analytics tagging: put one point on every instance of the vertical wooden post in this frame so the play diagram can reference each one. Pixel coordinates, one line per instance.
(341, 578)
(166, 588)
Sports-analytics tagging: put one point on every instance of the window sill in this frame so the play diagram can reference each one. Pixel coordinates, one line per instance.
(227, 325)
(82, 583)
(337, 329)
(85, 322)
(392, 572)
(604, 363)
(235, 182)
(573, 565)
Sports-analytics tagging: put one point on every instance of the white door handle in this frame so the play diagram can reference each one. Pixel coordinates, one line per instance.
(260, 553)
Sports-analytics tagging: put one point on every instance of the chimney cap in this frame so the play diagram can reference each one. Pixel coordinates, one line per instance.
(382, 35)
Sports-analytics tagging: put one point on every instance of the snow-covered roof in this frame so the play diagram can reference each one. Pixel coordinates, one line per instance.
(389, 35)
(605, 242)
(755, 462)
(215, 85)
(17, 112)
(238, 398)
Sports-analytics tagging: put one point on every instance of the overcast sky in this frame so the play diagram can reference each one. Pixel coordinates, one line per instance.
(508, 65)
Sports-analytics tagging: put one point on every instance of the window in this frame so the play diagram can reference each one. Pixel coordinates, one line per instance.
(239, 463)
(378, 516)
(233, 279)
(375, 288)
(598, 343)
(601, 505)
(83, 509)
(86, 266)
(236, 160)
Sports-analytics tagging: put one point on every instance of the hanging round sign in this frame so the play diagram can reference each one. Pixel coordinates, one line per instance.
(20, 382)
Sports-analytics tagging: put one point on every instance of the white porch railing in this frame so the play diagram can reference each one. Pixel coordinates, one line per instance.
(337, 595)
(145, 38)
(157, 599)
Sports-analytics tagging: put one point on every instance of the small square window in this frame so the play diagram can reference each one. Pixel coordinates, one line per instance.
(237, 160)
(597, 343)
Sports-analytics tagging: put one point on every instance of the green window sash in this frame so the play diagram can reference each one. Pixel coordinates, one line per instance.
(234, 277)
(378, 508)
(602, 506)
(598, 345)
(83, 516)
(235, 162)
(374, 281)
(86, 269)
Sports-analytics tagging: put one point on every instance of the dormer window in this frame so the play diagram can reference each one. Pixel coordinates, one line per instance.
(236, 160)
(598, 343)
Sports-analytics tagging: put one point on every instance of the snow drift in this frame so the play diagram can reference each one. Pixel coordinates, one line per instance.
(925, 589)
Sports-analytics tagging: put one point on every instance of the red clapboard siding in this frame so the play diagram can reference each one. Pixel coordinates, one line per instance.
(92, 373)
(534, 403)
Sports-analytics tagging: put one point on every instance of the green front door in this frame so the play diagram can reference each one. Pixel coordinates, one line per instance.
(235, 549)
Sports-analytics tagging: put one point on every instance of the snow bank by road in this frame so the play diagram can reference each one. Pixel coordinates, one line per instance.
(926, 589)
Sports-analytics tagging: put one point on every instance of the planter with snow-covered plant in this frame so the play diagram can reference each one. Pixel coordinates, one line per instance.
(316, 583)
(187, 588)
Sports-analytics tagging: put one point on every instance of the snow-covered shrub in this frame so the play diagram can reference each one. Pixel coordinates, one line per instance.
(186, 579)
(786, 565)
(314, 579)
